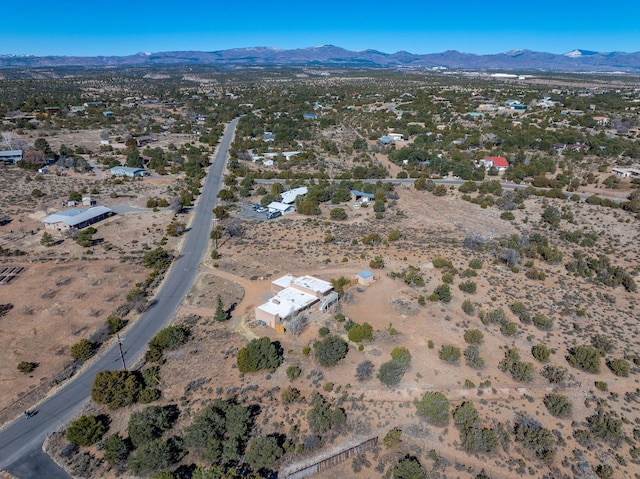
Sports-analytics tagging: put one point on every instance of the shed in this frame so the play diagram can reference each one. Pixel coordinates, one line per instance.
(361, 195)
(365, 277)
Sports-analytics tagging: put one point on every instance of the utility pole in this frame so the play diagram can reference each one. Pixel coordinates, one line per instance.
(124, 365)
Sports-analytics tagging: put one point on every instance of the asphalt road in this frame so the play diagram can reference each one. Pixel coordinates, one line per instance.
(21, 441)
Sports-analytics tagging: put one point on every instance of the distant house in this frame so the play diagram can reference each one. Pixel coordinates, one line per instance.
(385, 140)
(76, 218)
(281, 207)
(601, 120)
(11, 156)
(361, 196)
(626, 172)
(128, 171)
(105, 142)
(144, 140)
(499, 162)
(293, 295)
(268, 136)
(310, 116)
(107, 113)
(289, 197)
(396, 136)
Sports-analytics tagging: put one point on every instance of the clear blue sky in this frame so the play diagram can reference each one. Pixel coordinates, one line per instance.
(119, 27)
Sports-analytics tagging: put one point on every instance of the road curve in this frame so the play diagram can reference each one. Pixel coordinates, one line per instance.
(20, 439)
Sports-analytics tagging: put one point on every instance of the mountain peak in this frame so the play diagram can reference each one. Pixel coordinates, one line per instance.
(577, 53)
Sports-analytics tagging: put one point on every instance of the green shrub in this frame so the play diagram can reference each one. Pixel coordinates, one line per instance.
(468, 307)
(361, 332)
(392, 438)
(259, 354)
(149, 424)
(27, 367)
(442, 293)
(290, 394)
(293, 372)
(468, 286)
(219, 431)
(584, 357)
(262, 452)
(115, 324)
(475, 263)
(330, 350)
(116, 388)
(434, 407)
(83, 350)
(541, 353)
(116, 449)
(449, 353)
(507, 216)
(542, 322)
(473, 336)
(508, 328)
(86, 430)
(558, 405)
(167, 339)
(519, 370)
(323, 418)
(155, 455)
(472, 357)
(619, 367)
(377, 263)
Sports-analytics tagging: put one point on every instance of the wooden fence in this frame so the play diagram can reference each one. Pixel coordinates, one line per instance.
(333, 460)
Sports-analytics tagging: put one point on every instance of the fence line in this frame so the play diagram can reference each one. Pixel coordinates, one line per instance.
(334, 460)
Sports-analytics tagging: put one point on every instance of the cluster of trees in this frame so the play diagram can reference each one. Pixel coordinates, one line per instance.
(167, 339)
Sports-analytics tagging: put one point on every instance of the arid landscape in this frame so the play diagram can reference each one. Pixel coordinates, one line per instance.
(518, 332)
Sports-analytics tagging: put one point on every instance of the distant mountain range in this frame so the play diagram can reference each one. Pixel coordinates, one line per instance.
(329, 55)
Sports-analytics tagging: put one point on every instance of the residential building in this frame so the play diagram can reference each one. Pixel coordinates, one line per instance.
(289, 197)
(11, 156)
(128, 171)
(281, 207)
(76, 218)
(499, 162)
(292, 295)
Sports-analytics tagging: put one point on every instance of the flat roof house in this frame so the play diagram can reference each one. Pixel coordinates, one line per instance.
(293, 294)
(76, 218)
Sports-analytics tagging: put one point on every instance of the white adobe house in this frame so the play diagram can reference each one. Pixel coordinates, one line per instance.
(291, 295)
(281, 207)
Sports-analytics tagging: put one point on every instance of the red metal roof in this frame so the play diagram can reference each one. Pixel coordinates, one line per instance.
(498, 161)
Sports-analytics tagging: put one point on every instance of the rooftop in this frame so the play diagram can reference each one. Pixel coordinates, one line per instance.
(314, 284)
(76, 216)
(288, 301)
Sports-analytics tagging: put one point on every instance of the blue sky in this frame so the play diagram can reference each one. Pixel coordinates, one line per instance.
(119, 27)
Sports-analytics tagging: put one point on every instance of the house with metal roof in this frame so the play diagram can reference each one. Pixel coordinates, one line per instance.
(290, 196)
(281, 207)
(76, 218)
(11, 156)
(128, 171)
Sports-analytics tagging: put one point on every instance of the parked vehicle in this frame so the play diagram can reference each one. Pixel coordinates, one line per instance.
(273, 214)
(261, 209)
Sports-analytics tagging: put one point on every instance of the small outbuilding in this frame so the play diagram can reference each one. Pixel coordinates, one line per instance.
(11, 156)
(365, 277)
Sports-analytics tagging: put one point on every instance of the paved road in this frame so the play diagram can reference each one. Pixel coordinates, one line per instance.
(21, 439)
